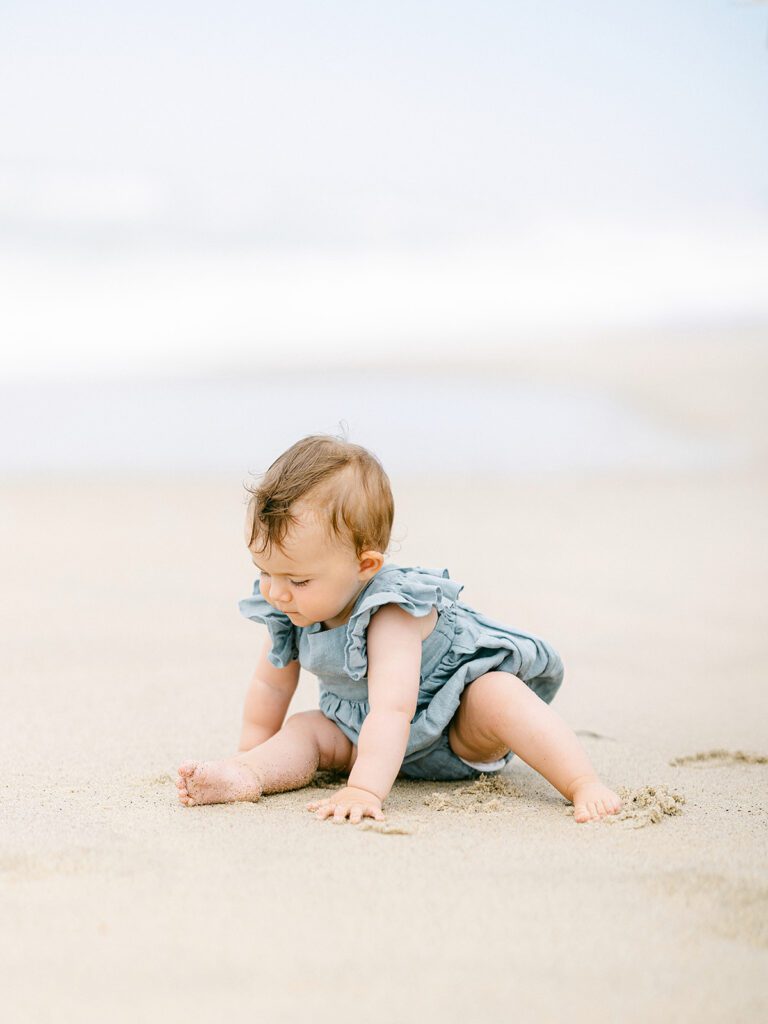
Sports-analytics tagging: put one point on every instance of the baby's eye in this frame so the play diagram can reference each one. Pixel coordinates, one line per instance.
(299, 583)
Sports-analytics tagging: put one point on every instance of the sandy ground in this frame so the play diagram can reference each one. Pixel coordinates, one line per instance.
(123, 654)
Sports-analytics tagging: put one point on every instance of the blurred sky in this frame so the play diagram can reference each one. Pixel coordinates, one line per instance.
(187, 186)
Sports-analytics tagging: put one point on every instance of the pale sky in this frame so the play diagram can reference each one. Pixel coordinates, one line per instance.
(188, 184)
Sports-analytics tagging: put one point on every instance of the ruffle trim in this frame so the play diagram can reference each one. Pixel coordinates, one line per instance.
(416, 590)
(285, 646)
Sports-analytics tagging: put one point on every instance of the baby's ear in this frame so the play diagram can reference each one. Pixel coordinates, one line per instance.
(370, 562)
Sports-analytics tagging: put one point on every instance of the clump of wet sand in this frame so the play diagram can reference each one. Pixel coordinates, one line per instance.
(482, 796)
(716, 758)
(647, 805)
(389, 828)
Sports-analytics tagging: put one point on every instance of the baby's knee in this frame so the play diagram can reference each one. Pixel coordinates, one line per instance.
(334, 748)
(304, 720)
(493, 689)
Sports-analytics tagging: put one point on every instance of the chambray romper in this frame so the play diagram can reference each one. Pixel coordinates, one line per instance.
(463, 645)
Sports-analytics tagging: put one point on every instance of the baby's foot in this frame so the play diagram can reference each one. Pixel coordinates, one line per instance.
(591, 800)
(217, 782)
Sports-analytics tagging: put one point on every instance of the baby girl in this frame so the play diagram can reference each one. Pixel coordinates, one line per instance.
(413, 682)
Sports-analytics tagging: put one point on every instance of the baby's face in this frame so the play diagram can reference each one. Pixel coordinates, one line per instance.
(312, 578)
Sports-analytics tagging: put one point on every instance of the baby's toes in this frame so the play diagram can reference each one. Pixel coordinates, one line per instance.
(187, 769)
(185, 797)
(580, 813)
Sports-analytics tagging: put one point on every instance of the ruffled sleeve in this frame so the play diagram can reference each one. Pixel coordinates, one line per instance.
(415, 590)
(285, 641)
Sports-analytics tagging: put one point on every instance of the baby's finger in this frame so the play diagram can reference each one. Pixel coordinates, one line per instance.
(356, 814)
(340, 814)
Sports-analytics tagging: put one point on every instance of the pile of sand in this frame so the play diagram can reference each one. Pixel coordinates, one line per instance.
(716, 758)
(647, 805)
(479, 797)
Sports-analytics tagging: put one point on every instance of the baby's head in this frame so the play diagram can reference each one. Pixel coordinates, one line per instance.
(318, 526)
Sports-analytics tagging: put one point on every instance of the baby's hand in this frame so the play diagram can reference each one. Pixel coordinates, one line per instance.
(357, 803)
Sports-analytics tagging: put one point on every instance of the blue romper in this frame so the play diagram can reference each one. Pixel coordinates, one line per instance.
(463, 646)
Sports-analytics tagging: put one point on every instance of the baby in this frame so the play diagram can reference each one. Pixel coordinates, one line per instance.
(413, 682)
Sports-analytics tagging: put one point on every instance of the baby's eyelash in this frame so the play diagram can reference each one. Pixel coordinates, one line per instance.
(294, 583)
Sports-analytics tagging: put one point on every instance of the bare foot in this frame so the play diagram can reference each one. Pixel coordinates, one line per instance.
(591, 800)
(217, 782)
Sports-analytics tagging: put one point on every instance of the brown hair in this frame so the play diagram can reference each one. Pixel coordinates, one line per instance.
(344, 483)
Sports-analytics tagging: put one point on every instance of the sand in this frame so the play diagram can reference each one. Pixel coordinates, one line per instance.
(123, 654)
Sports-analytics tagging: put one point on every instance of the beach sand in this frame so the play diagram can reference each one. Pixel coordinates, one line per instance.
(124, 654)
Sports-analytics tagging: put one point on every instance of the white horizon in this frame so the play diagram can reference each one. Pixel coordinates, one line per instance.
(160, 309)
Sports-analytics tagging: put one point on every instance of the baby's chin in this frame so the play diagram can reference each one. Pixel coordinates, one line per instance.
(302, 621)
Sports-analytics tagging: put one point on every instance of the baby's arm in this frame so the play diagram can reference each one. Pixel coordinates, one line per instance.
(267, 699)
(394, 664)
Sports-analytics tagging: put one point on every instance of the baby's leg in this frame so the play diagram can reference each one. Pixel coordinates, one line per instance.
(498, 712)
(288, 760)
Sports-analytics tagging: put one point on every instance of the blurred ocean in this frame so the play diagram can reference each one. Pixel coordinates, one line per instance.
(433, 422)
(180, 225)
